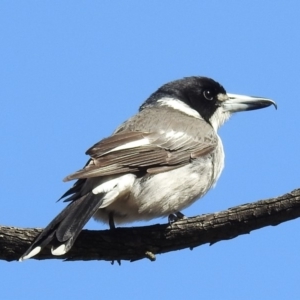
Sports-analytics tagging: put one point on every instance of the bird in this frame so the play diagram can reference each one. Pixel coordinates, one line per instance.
(155, 164)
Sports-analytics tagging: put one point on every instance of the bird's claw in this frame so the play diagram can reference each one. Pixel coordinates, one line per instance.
(176, 217)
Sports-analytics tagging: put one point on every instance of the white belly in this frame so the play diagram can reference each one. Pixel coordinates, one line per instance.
(166, 193)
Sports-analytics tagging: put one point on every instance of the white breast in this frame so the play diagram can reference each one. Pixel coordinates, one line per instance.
(169, 192)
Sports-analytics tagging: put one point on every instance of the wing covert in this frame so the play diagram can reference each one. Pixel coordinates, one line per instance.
(131, 149)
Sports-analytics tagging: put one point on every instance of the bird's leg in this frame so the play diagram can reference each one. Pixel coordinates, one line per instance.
(111, 222)
(112, 226)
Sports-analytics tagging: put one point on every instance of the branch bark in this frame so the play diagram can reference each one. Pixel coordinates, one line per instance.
(145, 242)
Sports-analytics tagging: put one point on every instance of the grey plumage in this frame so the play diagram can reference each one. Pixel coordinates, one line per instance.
(162, 149)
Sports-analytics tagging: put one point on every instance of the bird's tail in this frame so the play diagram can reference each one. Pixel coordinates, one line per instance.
(63, 230)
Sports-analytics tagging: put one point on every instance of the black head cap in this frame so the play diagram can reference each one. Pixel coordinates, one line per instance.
(200, 93)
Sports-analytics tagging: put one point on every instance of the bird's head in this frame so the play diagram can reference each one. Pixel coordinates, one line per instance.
(202, 97)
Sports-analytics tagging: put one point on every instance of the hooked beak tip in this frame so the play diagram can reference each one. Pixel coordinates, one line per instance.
(235, 103)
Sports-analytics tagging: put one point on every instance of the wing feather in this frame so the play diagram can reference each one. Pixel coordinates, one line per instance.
(152, 152)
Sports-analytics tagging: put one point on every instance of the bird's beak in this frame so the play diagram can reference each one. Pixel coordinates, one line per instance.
(235, 103)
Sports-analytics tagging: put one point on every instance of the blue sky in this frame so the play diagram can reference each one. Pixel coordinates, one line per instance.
(72, 71)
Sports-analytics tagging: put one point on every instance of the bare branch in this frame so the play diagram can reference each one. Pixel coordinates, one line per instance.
(145, 242)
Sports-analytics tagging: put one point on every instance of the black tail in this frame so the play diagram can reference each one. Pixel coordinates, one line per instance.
(63, 230)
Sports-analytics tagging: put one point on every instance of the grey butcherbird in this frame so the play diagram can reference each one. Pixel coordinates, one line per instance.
(155, 164)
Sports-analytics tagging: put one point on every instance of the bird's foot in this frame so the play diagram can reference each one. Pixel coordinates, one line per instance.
(175, 217)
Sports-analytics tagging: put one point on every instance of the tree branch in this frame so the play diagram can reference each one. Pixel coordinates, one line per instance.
(145, 242)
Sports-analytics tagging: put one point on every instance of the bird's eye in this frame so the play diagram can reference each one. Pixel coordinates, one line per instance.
(208, 95)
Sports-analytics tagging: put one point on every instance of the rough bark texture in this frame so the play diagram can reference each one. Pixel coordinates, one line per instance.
(145, 242)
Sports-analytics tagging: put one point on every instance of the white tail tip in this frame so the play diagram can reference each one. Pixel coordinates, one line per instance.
(32, 253)
(60, 250)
